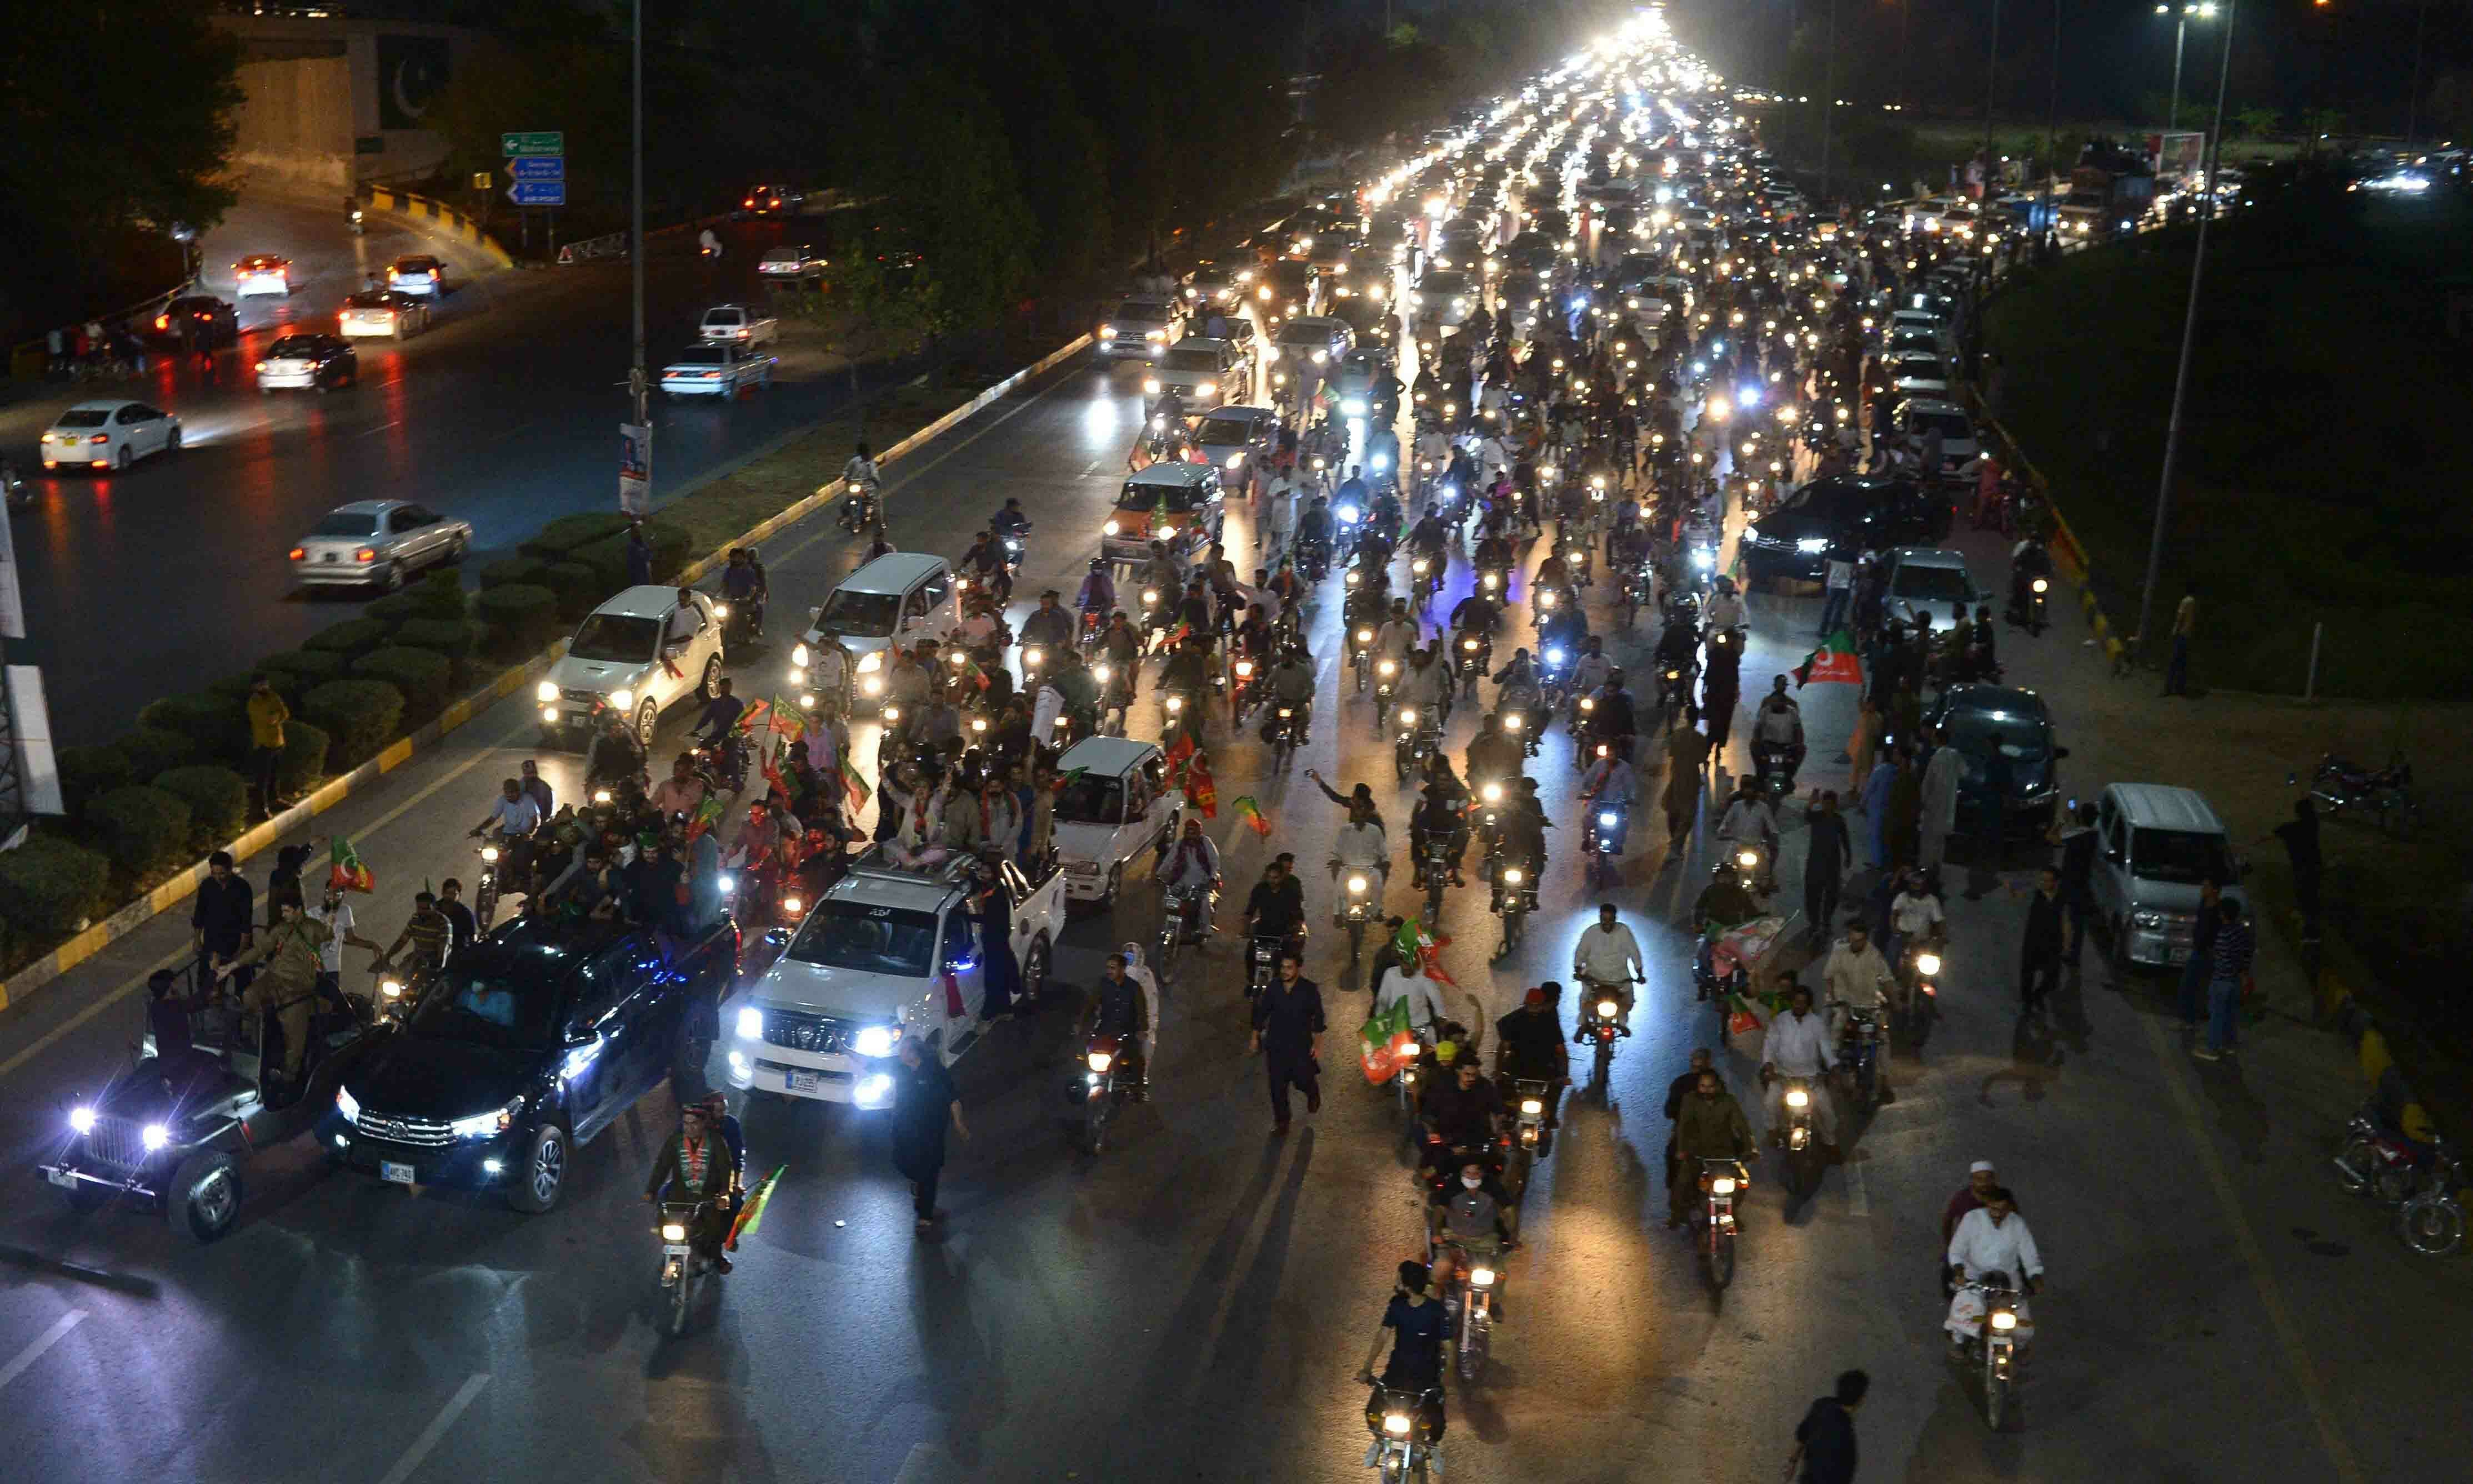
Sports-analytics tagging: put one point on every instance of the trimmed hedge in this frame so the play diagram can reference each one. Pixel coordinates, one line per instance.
(144, 829)
(513, 572)
(216, 727)
(578, 585)
(421, 675)
(440, 593)
(218, 800)
(359, 716)
(88, 771)
(608, 555)
(150, 750)
(354, 636)
(235, 688)
(295, 672)
(567, 533)
(522, 618)
(304, 758)
(48, 885)
(454, 637)
(393, 609)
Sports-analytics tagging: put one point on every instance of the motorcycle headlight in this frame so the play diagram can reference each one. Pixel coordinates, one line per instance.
(1386, 668)
(1364, 636)
(1356, 886)
(1480, 1277)
(1407, 717)
(1514, 721)
(1103, 674)
(1511, 876)
(1723, 1184)
(1746, 859)
(1606, 1008)
(1605, 822)
(1033, 657)
(869, 664)
(1396, 1424)
(2041, 586)
(1150, 597)
(1796, 1097)
(546, 691)
(1530, 1108)
(489, 854)
(1546, 599)
(390, 989)
(751, 1023)
(1100, 1061)
(2004, 1320)
(791, 905)
(673, 1231)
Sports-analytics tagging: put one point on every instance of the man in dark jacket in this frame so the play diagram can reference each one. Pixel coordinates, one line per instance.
(1287, 1032)
(1824, 1441)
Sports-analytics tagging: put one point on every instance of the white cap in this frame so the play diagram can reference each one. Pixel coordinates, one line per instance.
(1979, 1167)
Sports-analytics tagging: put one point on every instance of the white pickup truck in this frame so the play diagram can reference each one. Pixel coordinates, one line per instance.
(716, 368)
(885, 951)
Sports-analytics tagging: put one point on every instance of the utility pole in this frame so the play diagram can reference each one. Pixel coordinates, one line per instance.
(1991, 60)
(1829, 118)
(2413, 104)
(2189, 338)
(2053, 120)
(639, 381)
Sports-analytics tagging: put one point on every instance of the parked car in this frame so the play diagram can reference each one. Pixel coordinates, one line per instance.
(530, 1042)
(320, 363)
(2155, 847)
(638, 654)
(107, 434)
(377, 542)
(869, 964)
(212, 321)
(1115, 804)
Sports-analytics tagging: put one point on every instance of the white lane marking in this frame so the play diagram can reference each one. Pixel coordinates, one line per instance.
(925, 1462)
(129, 985)
(1859, 1200)
(437, 1428)
(33, 1352)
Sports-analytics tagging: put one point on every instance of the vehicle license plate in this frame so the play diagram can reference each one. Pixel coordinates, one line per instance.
(61, 1177)
(801, 1082)
(400, 1174)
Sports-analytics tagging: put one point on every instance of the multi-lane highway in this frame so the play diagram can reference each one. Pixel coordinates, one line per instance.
(503, 413)
(1193, 1304)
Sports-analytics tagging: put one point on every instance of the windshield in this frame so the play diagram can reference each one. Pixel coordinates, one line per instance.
(2021, 738)
(369, 301)
(1138, 310)
(873, 939)
(865, 614)
(1949, 424)
(723, 316)
(616, 637)
(1919, 367)
(701, 356)
(347, 523)
(2179, 856)
(292, 344)
(415, 265)
(1819, 499)
(1179, 497)
(1224, 431)
(1920, 583)
(1193, 360)
(1091, 800)
(84, 418)
(483, 1003)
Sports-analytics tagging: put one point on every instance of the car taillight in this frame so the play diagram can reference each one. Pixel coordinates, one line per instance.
(298, 554)
(100, 439)
(365, 554)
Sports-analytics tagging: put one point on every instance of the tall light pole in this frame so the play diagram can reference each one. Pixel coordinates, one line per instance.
(639, 381)
(1829, 117)
(2412, 105)
(1991, 59)
(2189, 338)
(2204, 9)
(2053, 120)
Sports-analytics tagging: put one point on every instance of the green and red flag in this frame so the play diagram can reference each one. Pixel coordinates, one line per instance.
(1423, 948)
(1834, 660)
(751, 1211)
(786, 720)
(348, 872)
(707, 815)
(1199, 787)
(748, 714)
(1251, 814)
(854, 786)
(1179, 752)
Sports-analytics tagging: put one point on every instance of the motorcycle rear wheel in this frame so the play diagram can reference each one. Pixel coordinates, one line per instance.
(2432, 1225)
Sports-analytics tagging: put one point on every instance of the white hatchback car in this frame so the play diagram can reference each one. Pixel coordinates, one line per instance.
(109, 435)
(261, 272)
(740, 324)
(1116, 804)
(419, 274)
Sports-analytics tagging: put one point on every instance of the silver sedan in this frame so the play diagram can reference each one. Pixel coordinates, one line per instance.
(378, 543)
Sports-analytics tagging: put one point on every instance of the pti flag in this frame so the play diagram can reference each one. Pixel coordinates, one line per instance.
(1834, 660)
(348, 874)
(1251, 813)
(856, 788)
(1199, 787)
(786, 719)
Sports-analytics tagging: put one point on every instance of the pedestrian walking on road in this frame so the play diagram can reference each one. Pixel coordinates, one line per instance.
(1829, 855)
(1687, 753)
(267, 714)
(1904, 825)
(1824, 1441)
(1937, 810)
(1864, 746)
(2202, 967)
(2075, 833)
(2300, 837)
(2185, 623)
(924, 1102)
(2228, 974)
(1840, 602)
(1287, 1033)
(2039, 958)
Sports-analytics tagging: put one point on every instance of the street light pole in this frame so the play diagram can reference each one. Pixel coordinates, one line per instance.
(2180, 30)
(639, 380)
(1991, 58)
(2189, 339)
(1829, 118)
(2413, 104)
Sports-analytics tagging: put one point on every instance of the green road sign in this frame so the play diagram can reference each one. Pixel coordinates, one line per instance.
(538, 141)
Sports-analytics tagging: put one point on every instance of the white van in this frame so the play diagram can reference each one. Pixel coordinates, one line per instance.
(1117, 806)
(2155, 844)
(899, 598)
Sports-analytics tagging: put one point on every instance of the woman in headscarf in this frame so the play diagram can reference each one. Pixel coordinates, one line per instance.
(1148, 983)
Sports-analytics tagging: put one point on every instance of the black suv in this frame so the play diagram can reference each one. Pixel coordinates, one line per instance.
(530, 1042)
(1840, 517)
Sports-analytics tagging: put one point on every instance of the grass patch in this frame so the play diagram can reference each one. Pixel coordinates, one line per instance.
(2320, 473)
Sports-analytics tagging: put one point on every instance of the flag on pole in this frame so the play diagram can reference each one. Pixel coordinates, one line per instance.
(1251, 814)
(773, 773)
(348, 872)
(708, 816)
(746, 723)
(1179, 752)
(1834, 660)
(1199, 787)
(786, 720)
(854, 787)
(1423, 948)
(751, 1211)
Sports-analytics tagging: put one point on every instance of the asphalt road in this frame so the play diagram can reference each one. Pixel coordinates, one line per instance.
(504, 412)
(1192, 1304)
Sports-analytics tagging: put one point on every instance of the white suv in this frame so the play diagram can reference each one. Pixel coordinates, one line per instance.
(885, 951)
(638, 654)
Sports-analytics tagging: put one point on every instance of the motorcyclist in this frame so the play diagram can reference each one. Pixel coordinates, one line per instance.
(1098, 591)
(514, 817)
(1119, 1007)
(1725, 607)
(1522, 825)
(1479, 617)
(1612, 782)
(1607, 957)
(1420, 1338)
(1494, 553)
(1362, 845)
(719, 719)
(1163, 575)
(1010, 520)
(1399, 636)
(1427, 684)
(1314, 526)
(1613, 720)
(708, 243)
(1276, 907)
(1799, 1048)
(1855, 974)
(1292, 685)
(1678, 649)
(1709, 1124)
(1725, 903)
(1777, 729)
(2029, 559)
(1048, 624)
(1592, 669)
(743, 587)
(1120, 649)
(1438, 817)
(1493, 753)
(614, 754)
(1353, 492)
(1992, 1238)
(1193, 865)
(985, 560)
(1529, 1046)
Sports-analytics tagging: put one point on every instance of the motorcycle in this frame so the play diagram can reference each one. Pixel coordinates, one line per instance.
(1403, 1452)
(1776, 764)
(1514, 897)
(1115, 694)
(1360, 655)
(1386, 683)
(1281, 733)
(1261, 963)
(494, 857)
(1858, 1055)
(1516, 724)
(1425, 579)
(680, 1267)
(1420, 732)
(1475, 655)
(1095, 1092)
(1246, 691)
(1674, 685)
(1530, 1139)
(1601, 1017)
(742, 622)
(1358, 905)
(858, 508)
(358, 227)
(1748, 860)
(1721, 1181)
(399, 994)
(1468, 1308)
(1994, 1345)
(1180, 922)
(1918, 1004)
(2344, 787)
(723, 764)
(1314, 557)
(1601, 843)
(2419, 1182)
(1802, 1140)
